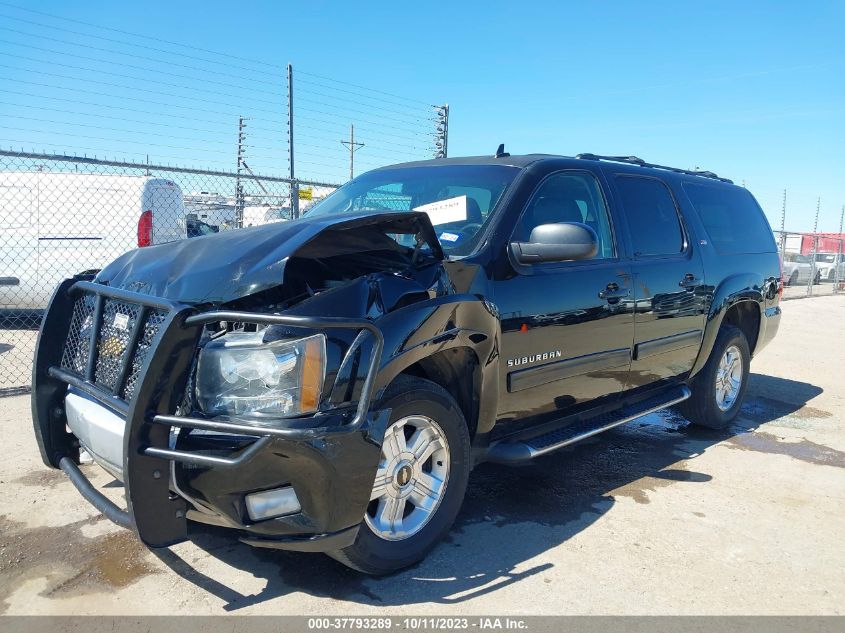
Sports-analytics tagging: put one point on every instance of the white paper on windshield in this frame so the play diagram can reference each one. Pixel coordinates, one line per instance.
(445, 211)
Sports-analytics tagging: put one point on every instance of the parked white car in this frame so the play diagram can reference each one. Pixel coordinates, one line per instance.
(827, 263)
(55, 225)
(797, 269)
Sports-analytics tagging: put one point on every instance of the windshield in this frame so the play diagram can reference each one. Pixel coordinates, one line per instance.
(459, 199)
(826, 258)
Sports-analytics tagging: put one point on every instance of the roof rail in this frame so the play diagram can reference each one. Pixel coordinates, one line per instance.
(633, 160)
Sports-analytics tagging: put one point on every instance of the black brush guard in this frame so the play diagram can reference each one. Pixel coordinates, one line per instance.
(155, 514)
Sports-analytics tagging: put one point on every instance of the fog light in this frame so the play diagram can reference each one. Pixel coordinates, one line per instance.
(272, 503)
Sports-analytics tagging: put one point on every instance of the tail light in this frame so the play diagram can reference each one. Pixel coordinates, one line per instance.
(145, 228)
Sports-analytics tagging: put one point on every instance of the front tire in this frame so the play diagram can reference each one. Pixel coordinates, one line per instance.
(420, 481)
(719, 388)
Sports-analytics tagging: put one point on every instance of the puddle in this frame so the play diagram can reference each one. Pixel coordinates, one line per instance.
(71, 563)
(805, 450)
(762, 410)
(639, 490)
(42, 478)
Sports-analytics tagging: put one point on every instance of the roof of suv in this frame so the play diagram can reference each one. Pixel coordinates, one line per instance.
(632, 163)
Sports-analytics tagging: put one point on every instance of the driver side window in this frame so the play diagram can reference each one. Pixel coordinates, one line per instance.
(568, 197)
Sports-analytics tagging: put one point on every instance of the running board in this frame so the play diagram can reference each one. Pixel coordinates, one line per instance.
(505, 452)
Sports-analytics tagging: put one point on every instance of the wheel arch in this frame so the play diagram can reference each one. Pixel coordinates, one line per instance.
(739, 301)
(462, 360)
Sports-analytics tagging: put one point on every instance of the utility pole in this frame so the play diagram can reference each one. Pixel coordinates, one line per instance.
(294, 187)
(441, 135)
(239, 190)
(353, 147)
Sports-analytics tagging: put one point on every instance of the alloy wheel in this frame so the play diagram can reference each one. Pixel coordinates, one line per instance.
(411, 479)
(728, 378)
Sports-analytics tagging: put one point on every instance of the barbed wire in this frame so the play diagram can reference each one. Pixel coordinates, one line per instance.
(118, 92)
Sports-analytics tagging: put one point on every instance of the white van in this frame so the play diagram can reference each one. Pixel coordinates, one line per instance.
(55, 225)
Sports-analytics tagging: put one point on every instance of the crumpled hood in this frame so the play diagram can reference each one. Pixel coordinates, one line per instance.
(227, 266)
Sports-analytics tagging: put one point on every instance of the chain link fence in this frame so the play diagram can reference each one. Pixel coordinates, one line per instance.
(813, 263)
(63, 215)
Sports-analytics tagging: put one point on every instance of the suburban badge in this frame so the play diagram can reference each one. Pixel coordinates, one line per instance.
(534, 358)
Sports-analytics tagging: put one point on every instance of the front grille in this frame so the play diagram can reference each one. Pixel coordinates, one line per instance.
(145, 344)
(113, 342)
(118, 320)
(75, 354)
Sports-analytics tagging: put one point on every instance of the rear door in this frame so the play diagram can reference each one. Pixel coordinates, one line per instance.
(168, 207)
(567, 327)
(670, 294)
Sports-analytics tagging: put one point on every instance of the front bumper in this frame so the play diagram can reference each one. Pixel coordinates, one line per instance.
(175, 467)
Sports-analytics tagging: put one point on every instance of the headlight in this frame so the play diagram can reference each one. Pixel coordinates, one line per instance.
(239, 374)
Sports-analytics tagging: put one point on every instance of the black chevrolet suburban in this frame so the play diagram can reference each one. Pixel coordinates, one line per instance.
(327, 383)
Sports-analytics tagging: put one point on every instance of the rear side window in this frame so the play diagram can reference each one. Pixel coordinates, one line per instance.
(651, 215)
(733, 219)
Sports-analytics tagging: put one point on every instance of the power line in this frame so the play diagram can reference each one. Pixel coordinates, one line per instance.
(156, 92)
(416, 116)
(416, 105)
(124, 76)
(115, 107)
(142, 68)
(103, 116)
(100, 94)
(347, 83)
(334, 114)
(343, 109)
(377, 130)
(144, 46)
(156, 39)
(378, 148)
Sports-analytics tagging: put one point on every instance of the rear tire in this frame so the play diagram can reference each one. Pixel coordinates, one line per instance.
(793, 279)
(415, 501)
(719, 388)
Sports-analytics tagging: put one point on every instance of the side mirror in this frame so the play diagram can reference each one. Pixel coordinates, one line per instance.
(561, 242)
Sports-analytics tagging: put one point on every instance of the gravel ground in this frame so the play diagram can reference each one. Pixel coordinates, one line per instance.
(651, 518)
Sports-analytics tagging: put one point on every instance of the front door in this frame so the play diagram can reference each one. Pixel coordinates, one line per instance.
(567, 328)
(670, 294)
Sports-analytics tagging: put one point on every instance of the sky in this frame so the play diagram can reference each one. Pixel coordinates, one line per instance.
(754, 91)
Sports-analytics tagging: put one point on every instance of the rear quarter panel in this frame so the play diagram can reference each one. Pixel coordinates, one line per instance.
(734, 277)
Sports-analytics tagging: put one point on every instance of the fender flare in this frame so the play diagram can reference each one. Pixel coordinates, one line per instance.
(733, 290)
(479, 333)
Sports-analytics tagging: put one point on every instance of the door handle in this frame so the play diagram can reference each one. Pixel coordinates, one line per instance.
(613, 291)
(689, 281)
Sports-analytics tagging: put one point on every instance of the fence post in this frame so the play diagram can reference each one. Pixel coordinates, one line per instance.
(239, 188)
(441, 136)
(294, 186)
(783, 238)
(815, 250)
(837, 275)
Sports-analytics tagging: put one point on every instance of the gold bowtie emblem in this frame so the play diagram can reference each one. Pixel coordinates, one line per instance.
(112, 347)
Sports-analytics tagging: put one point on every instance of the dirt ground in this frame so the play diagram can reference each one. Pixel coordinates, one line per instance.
(651, 518)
